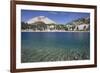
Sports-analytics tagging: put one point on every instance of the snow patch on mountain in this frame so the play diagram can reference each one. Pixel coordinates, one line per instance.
(43, 19)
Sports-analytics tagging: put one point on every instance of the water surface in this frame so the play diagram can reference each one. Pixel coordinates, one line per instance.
(54, 46)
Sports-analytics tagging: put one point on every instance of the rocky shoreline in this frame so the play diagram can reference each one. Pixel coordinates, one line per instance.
(51, 31)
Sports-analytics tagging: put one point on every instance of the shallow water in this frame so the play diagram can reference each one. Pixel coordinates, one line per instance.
(54, 46)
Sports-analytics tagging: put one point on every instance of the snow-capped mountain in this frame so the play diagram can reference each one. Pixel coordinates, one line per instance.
(43, 19)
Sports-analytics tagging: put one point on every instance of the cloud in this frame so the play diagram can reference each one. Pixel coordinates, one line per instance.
(53, 12)
(61, 13)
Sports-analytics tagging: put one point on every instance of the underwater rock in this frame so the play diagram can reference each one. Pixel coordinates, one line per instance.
(75, 55)
(85, 56)
(76, 58)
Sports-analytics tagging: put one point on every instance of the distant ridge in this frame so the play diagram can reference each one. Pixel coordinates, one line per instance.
(85, 20)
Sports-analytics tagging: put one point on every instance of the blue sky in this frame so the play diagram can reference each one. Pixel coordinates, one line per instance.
(58, 17)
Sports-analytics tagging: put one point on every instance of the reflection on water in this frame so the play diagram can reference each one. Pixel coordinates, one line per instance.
(54, 46)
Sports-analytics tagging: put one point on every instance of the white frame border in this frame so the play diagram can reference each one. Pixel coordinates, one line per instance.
(20, 65)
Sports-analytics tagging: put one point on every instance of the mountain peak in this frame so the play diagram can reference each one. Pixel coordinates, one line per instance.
(43, 19)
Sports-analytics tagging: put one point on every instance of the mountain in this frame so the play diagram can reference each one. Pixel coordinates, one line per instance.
(80, 21)
(43, 19)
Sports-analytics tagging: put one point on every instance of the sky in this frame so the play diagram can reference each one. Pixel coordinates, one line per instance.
(57, 16)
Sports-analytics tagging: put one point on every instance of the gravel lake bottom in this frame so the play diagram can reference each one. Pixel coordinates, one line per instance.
(44, 55)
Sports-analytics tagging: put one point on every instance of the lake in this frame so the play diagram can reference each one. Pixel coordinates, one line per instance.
(54, 46)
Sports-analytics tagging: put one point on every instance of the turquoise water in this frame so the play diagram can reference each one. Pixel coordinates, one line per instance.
(54, 46)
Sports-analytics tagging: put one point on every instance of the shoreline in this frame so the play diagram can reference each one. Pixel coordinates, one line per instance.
(52, 31)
